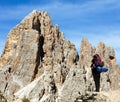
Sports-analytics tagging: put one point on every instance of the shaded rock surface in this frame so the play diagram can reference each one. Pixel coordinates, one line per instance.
(2, 98)
(39, 65)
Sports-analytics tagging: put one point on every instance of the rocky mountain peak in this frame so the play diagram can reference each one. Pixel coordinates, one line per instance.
(38, 64)
(35, 47)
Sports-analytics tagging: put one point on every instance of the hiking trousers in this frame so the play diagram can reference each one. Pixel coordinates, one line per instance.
(96, 77)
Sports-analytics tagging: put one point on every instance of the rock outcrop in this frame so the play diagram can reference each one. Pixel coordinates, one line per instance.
(39, 65)
(109, 80)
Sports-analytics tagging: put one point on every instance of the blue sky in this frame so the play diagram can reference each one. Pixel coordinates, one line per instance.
(97, 20)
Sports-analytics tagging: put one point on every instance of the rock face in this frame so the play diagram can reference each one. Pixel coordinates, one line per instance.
(109, 80)
(39, 65)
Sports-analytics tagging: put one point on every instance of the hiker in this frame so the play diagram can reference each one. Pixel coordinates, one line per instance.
(97, 68)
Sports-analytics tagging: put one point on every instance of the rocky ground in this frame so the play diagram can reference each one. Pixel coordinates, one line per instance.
(111, 96)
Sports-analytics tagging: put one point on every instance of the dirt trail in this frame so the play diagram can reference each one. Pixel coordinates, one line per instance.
(113, 96)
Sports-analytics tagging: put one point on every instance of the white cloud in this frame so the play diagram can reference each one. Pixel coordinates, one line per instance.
(60, 9)
(111, 38)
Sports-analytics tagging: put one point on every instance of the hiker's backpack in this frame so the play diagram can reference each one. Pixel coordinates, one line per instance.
(97, 60)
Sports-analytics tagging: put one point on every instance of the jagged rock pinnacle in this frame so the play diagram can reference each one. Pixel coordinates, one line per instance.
(38, 64)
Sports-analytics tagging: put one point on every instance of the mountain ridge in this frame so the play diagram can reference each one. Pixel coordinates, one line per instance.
(39, 64)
